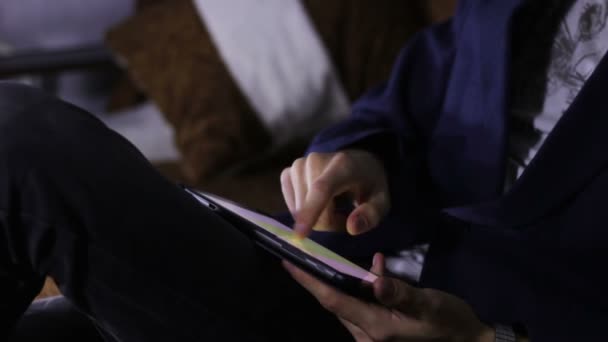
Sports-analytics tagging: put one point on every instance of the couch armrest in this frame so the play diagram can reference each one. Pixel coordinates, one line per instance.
(56, 60)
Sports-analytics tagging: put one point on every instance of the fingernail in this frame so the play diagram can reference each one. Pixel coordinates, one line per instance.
(361, 223)
(375, 259)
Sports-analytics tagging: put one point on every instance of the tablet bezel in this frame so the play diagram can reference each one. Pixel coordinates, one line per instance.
(271, 243)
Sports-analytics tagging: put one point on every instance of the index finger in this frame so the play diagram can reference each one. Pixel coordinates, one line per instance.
(332, 181)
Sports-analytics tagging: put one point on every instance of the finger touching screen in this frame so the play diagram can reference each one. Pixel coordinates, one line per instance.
(287, 235)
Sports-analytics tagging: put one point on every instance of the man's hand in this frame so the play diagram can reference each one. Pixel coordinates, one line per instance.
(406, 313)
(311, 185)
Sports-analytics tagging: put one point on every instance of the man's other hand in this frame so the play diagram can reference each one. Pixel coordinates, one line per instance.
(313, 183)
(405, 313)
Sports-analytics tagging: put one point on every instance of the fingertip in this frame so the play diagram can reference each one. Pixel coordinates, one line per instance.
(287, 265)
(375, 260)
(292, 270)
(357, 224)
(301, 230)
(378, 258)
(378, 264)
(302, 221)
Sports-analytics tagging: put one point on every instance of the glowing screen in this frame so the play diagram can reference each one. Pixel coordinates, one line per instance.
(307, 246)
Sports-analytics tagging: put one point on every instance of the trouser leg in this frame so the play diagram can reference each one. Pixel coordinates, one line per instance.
(55, 319)
(126, 246)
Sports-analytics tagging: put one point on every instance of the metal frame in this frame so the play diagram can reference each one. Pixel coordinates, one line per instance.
(54, 61)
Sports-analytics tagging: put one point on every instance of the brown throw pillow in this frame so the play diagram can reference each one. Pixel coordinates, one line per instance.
(170, 56)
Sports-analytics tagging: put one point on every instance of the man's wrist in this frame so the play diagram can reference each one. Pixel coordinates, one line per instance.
(487, 334)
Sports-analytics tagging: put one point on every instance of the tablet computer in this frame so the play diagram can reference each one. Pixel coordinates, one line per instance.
(280, 240)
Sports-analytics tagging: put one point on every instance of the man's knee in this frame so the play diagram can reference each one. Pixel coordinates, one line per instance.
(33, 122)
(28, 113)
(16, 98)
(21, 108)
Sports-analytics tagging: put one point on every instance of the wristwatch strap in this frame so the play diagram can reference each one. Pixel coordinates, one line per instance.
(504, 333)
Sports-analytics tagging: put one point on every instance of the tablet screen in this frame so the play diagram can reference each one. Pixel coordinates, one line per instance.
(307, 246)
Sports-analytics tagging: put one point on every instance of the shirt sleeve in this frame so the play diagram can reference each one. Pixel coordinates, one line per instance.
(395, 122)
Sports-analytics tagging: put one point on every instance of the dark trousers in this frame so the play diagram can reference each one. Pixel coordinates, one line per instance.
(127, 247)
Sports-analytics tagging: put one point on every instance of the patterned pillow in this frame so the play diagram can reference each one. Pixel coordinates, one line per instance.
(171, 57)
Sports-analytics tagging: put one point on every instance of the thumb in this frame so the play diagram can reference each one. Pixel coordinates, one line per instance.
(378, 264)
(368, 214)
